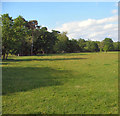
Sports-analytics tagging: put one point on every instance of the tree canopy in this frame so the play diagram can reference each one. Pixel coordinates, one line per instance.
(22, 37)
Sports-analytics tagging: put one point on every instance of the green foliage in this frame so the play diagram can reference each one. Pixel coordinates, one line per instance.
(72, 46)
(82, 44)
(116, 46)
(100, 45)
(108, 44)
(44, 41)
(0, 36)
(91, 46)
(27, 38)
(61, 45)
(7, 35)
(21, 36)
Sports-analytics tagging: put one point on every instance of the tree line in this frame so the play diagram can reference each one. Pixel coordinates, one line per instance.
(22, 37)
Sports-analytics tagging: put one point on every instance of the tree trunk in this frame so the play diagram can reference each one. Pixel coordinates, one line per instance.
(32, 44)
(4, 56)
(7, 56)
(43, 52)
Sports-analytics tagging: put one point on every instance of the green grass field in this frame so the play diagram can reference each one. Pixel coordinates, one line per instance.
(76, 83)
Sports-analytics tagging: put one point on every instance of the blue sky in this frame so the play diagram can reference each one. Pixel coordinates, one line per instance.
(51, 13)
(55, 14)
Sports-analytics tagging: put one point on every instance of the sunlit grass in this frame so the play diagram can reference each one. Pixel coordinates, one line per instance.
(76, 83)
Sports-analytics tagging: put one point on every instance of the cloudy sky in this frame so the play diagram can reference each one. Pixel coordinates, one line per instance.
(87, 20)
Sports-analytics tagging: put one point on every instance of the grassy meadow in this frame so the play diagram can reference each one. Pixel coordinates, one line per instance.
(74, 83)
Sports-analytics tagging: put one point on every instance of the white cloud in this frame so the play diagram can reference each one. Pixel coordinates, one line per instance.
(92, 29)
(114, 11)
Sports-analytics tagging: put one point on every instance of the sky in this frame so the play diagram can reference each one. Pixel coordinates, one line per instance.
(87, 20)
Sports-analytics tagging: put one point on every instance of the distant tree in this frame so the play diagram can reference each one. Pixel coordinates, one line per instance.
(81, 43)
(115, 45)
(33, 24)
(91, 46)
(72, 46)
(44, 41)
(118, 46)
(108, 44)
(100, 45)
(40, 40)
(61, 45)
(54, 36)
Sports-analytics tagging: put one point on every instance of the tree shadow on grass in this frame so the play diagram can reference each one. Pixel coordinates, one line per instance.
(63, 54)
(3, 63)
(20, 79)
(45, 59)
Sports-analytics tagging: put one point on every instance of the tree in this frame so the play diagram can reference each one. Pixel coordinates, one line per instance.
(118, 46)
(81, 43)
(7, 35)
(72, 46)
(91, 46)
(108, 44)
(61, 45)
(27, 38)
(0, 37)
(44, 41)
(21, 34)
(100, 45)
(115, 44)
(33, 24)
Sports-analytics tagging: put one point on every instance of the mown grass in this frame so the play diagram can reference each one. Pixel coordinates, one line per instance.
(77, 83)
